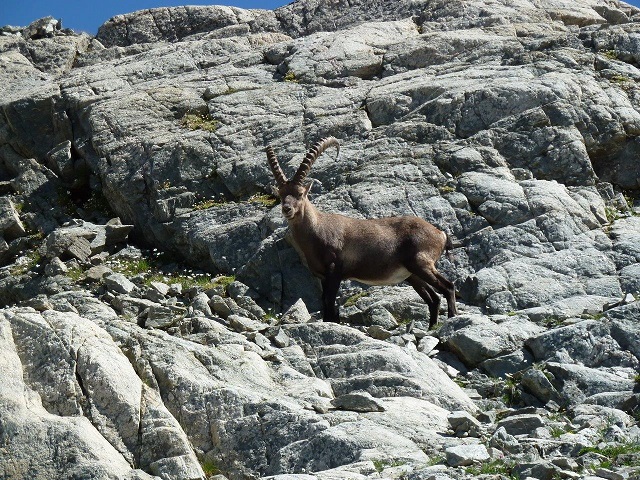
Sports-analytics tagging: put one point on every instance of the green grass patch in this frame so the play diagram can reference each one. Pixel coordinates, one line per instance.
(263, 199)
(223, 280)
(31, 261)
(351, 301)
(436, 460)
(199, 121)
(552, 322)
(290, 77)
(557, 431)
(259, 198)
(510, 392)
(203, 205)
(612, 213)
(152, 271)
(131, 268)
(75, 273)
(380, 465)
(210, 468)
(618, 455)
(493, 467)
(446, 189)
(621, 80)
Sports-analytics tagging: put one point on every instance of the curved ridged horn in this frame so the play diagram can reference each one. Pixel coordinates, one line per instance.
(275, 167)
(312, 155)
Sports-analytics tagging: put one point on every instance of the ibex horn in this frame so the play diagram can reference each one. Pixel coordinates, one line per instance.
(275, 167)
(312, 155)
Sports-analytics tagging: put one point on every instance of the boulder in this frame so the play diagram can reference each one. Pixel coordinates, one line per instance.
(118, 283)
(476, 338)
(588, 342)
(11, 226)
(358, 402)
(297, 313)
(464, 455)
(523, 424)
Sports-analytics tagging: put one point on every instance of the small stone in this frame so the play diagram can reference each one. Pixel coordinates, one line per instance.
(118, 283)
(201, 303)
(55, 267)
(419, 333)
(152, 294)
(244, 324)
(96, 273)
(464, 455)
(536, 469)
(99, 258)
(378, 332)
(358, 402)
(608, 474)
(521, 424)
(116, 233)
(463, 423)
(39, 303)
(10, 225)
(380, 316)
(321, 408)
(627, 298)
(219, 306)
(160, 317)
(247, 303)
(565, 463)
(281, 339)
(161, 288)
(408, 338)
(237, 289)
(297, 313)
(175, 289)
(504, 441)
(427, 344)
(80, 248)
(569, 474)
(259, 339)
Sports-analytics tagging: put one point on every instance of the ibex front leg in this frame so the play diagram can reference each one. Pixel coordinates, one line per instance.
(330, 285)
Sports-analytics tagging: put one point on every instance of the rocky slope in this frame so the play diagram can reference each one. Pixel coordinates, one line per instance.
(130, 159)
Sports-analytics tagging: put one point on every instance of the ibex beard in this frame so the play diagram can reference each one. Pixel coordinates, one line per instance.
(381, 251)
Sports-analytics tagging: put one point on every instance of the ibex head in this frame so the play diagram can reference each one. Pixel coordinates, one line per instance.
(294, 193)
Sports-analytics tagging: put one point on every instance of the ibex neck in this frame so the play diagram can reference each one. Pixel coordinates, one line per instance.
(309, 217)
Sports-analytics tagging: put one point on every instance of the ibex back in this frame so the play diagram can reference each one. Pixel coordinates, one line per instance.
(382, 251)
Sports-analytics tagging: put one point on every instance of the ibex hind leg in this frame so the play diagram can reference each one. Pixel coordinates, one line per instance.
(429, 295)
(428, 273)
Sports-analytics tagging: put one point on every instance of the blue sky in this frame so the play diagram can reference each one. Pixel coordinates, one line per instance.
(87, 15)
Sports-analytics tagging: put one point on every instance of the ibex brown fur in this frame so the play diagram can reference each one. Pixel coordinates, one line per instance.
(382, 251)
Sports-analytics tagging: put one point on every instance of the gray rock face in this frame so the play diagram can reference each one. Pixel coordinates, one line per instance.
(477, 338)
(511, 125)
(522, 174)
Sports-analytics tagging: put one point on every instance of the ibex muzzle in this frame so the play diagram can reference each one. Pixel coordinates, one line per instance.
(382, 251)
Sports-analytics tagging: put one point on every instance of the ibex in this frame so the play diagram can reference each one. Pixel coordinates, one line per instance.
(381, 251)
